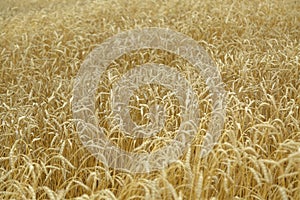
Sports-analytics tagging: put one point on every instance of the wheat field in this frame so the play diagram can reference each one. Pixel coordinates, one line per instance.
(255, 45)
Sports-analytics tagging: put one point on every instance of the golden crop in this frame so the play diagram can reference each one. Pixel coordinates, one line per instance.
(256, 46)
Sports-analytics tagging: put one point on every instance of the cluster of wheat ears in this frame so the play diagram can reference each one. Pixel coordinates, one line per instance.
(256, 47)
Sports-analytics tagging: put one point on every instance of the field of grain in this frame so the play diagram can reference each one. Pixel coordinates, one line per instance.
(256, 47)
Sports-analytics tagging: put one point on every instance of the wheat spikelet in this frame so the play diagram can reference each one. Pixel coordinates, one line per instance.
(51, 194)
(255, 175)
(32, 192)
(198, 187)
(283, 193)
